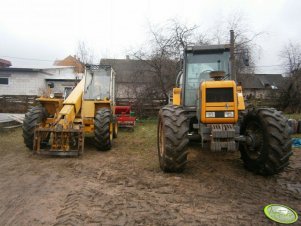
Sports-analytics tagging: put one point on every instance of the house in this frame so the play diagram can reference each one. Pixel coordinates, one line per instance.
(4, 63)
(33, 81)
(137, 85)
(71, 61)
(132, 77)
(261, 86)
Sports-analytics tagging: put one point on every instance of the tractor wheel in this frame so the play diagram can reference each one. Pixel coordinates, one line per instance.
(267, 147)
(115, 129)
(32, 118)
(102, 129)
(172, 138)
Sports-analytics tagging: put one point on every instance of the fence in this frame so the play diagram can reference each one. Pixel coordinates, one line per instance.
(143, 108)
(21, 104)
(16, 103)
(268, 102)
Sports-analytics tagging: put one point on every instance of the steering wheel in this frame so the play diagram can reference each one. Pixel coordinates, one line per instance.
(206, 71)
(201, 75)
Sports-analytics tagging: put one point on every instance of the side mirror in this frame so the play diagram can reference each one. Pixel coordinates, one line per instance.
(245, 57)
(51, 85)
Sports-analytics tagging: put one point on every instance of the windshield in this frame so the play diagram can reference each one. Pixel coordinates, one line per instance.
(198, 67)
(97, 84)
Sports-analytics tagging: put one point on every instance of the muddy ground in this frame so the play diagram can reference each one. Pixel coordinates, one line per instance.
(126, 187)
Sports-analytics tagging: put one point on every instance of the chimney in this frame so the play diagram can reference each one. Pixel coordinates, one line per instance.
(127, 57)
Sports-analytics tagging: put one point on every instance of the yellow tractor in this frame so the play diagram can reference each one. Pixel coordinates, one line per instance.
(208, 106)
(58, 127)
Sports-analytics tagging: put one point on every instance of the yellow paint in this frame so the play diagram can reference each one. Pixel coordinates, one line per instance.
(176, 96)
(78, 120)
(75, 97)
(89, 125)
(68, 113)
(88, 109)
(102, 104)
(88, 121)
(218, 106)
(221, 120)
(52, 105)
(240, 99)
(89, 128)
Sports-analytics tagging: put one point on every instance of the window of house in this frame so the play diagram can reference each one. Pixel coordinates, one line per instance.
(4, 79)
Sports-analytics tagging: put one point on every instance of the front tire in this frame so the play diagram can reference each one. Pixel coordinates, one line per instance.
(32, 118)
(268, 145)
(172, 138)
(102, 129)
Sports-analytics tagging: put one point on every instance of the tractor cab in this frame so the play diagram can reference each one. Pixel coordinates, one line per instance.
(99, 82)
(200, 63)
(207, 90)
(99, 90)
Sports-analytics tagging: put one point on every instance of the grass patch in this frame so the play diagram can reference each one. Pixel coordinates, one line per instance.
(294, 116)
(142, 143)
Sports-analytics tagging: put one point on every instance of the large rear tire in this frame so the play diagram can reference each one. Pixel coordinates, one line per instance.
(268, 145)
(32, 118)
(103, 129)
(172, 138)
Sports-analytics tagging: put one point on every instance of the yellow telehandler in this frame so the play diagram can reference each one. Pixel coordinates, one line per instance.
(209, 106)
(58, 127)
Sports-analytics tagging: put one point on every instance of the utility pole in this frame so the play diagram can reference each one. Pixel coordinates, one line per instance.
(232, 56)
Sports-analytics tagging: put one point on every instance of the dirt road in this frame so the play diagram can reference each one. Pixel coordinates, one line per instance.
(125, 186)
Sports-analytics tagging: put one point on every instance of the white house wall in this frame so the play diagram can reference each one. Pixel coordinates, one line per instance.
(32, 83)
(23, 83)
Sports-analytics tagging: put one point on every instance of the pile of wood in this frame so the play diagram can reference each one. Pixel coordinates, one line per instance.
(16, 103)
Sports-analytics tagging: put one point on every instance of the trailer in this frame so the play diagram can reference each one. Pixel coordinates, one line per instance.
(125, 117)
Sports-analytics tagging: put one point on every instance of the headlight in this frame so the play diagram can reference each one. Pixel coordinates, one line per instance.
(229, 114)
(51, 95)
(210, 114)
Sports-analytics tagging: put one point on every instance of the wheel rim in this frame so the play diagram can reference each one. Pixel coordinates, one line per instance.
(116, 128)
(254, 143)
(111, 131)
(161, 139)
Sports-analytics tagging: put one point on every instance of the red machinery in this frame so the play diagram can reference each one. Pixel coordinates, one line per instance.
(124, 117)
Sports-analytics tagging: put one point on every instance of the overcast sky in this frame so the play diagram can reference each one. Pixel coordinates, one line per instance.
(42, 31)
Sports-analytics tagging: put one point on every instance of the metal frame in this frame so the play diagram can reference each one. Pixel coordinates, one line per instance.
(200, 49)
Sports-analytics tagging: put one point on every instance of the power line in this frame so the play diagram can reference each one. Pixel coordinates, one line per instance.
(276, 65)
(21, 58)
(35, 59)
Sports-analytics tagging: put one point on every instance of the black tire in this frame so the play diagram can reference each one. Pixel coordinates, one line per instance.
(102, 134)
(172, 138)
(268, 146)
(32, 118)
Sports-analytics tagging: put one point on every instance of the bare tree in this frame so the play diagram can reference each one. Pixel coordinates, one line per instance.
(291, 57)
(84, 53)
(162, 55)
(244, 37)
(291, 91)
(162, 60)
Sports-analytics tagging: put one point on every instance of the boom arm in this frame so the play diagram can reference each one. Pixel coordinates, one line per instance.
(72, 105)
